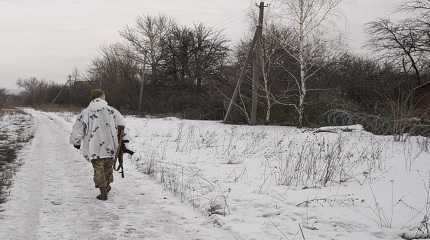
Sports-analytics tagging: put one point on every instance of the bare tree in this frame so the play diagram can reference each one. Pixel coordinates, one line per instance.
(306, 18)
(177, 53)
(405, 43)
(194, 54)
(37, 91)
(209, 52)
(276, 48)
(118, 72)
(397, 43)
(146, 39)
(420, 9)
(32, 89)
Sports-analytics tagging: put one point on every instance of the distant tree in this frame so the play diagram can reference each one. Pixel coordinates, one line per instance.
(194, 54)
(37, 92)
(398, 43)
(146, 37)
(180, 54)
(279, 47)
(3, 97)
(406, 42)
(117, 72)
(420, 9)
(32, 90)
(208, 53)
(362, 81)
(280, 90)
(177, 52)
(306, 17)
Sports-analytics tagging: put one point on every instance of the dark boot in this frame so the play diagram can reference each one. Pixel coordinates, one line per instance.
(108, 189)
(103, 194)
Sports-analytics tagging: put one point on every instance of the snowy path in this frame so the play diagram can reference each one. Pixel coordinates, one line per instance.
(53, 198)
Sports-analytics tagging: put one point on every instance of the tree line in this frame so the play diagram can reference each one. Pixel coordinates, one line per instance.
(310, 78)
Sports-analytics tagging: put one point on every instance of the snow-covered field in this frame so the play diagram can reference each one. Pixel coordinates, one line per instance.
(285, 183)
(262, 182)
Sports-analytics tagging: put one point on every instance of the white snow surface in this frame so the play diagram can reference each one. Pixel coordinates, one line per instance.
(380, 191)
(53, 197)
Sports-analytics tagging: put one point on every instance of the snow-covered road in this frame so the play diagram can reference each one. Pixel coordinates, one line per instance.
(53, 198)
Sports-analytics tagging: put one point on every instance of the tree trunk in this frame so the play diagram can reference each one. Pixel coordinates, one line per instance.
(266, 84)
(302, 85)
(154, 73)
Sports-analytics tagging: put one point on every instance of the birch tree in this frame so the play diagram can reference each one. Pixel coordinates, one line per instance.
(306, 18)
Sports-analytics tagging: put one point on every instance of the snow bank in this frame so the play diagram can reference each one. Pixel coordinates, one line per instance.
(336, 129)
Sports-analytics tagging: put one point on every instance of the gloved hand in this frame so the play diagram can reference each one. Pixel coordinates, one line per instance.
(77, 146)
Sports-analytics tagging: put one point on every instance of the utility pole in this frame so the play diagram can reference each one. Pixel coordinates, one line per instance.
(71, 83)
(256, 65)
(254, 54)
(62, 89)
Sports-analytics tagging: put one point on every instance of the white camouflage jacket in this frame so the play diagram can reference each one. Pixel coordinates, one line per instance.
(95, 130)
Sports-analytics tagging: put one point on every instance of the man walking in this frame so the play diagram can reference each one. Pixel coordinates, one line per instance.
(98, 129)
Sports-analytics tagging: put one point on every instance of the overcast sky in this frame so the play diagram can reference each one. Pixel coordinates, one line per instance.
(49, 38)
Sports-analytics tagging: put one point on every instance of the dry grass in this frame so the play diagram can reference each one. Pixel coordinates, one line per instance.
(7, 110)
(45, 108)
(12, 139)
(58, 108)
(317, 161)
(187, 182)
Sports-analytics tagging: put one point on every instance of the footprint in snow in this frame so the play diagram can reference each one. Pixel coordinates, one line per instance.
(56, 203)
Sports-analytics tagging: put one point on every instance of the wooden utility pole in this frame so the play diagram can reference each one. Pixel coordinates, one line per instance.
(62, 89)
(239, 81)
(256, 65)
(254, 54)
(71, 84)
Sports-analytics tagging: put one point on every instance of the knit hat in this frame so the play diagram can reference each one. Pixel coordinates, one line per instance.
(96, 93)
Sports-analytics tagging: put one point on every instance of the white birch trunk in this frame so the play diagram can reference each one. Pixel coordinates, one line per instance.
(302, 85)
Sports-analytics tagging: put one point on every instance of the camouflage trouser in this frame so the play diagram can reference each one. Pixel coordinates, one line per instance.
(103, 172)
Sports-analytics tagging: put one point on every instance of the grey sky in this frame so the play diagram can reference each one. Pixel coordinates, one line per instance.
(49, 38)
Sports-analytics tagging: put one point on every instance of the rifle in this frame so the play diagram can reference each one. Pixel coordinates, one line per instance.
(122, 149)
